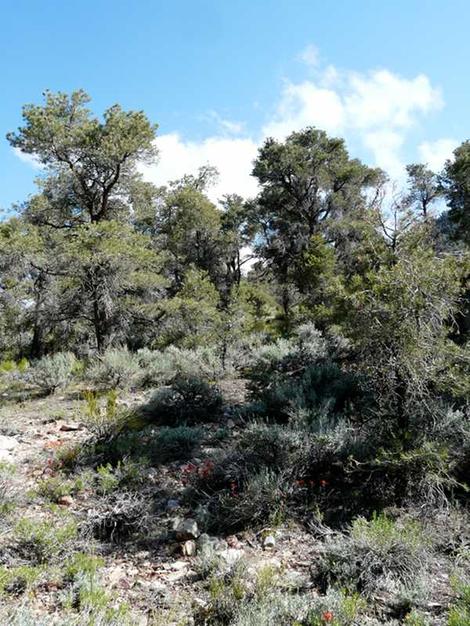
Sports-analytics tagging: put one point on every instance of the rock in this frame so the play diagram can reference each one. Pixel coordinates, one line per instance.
(143, 554)
(220, 545)
(205, 545)
(230, 424)
(189, 548)
(70, 426)
(230, 556)
(115, 575)
(172, 505)
(187, 529)
(203, 540)
(65, 501)
(269, 542)
(5, 456)
(7, 443)
(233, 542)
(152, 585)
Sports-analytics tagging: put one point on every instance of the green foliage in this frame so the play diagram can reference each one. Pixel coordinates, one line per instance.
(398, 324)
(338, 608)
(103, 418)
(80, 563)
(261, 499)
(41, 541)
(292, 378)
(116, 368)
(126, 474)
(163, 367)
(459, 614)
(7, 366)
(374, 552)
(175, 443)
(457, 188)
(19, 579)
(188, 400)
(7, 494)
(192, 316)
(54, 488)
(52, 372)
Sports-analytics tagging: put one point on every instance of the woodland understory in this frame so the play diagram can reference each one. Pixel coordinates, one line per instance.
(248, 413)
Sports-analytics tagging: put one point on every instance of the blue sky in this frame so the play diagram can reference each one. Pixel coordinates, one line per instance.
(218, 76)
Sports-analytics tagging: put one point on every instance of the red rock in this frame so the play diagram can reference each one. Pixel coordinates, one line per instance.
(65, 500)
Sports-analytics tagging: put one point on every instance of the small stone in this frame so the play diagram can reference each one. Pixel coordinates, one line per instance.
(205, 545)
(230, 423)
(143, 554)
(189, 548)
(70, 426)
(7, 443)
(187, 529)
(220, 545)
(203, 540)
(269, 542)
(172, 505)
(65, 501)
(230, 556)
(232, 542)
(115, 575)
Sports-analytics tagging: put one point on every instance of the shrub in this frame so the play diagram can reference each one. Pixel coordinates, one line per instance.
(80, 563)
(188, 400)
(175, 444)
(323, 391)
(164, 367)
(261, 499)
(338, 608)
(125, 475)
(41, 541)
(116, 368)
(374, 552)
(7, 366)
(459, 614)
(420, 474)
(275, 447)
(7, 495)
(52, 372)
(277, 608)
(117, 517)
(227, 590)
(298, 375)
(54, 488)
(17, 580)
(102, 416)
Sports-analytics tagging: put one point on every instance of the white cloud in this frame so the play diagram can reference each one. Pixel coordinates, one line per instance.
(310, 55)
(436, 153)
(375, 110)
(229, 126)
(306, 104)
(383, 99)
(385, 145)
(233, 158)
(30, 159)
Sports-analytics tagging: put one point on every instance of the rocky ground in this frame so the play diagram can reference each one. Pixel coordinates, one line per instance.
(158, 570)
